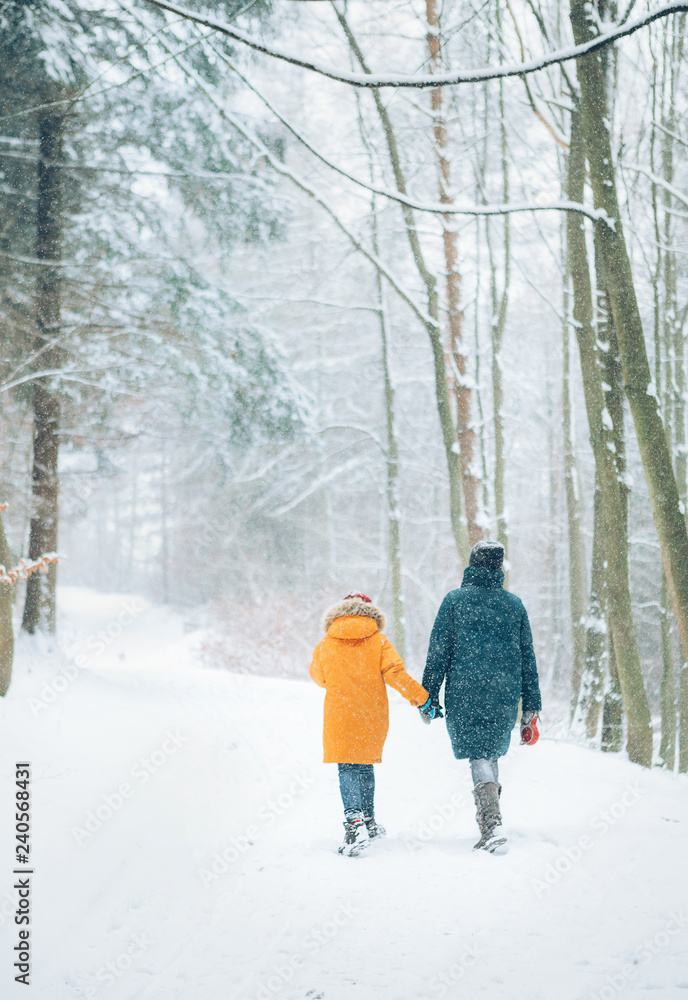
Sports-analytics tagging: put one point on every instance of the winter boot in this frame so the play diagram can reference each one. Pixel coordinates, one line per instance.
(355, 835)
(374, 829)
(492, 838)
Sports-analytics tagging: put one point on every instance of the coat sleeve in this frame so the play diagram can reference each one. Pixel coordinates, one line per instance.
(530, 687)
(440, 649)
(317, 672)
(393, 672)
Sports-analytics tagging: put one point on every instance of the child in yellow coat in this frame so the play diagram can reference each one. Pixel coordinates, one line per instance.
(353, 663)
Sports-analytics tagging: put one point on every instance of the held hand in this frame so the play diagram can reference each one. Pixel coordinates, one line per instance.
(429, 711)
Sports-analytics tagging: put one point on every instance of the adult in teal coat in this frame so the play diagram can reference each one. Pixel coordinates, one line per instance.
(481, 648)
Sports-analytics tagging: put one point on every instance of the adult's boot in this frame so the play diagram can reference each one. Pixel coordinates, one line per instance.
(492, 838)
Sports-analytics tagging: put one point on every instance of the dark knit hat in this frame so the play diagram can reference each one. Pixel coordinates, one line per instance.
(490, 555)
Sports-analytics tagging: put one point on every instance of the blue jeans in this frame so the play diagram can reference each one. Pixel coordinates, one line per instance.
(357, 785)
(484, 769)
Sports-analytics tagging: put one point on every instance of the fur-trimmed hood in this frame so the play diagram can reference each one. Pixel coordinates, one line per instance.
(351, 607)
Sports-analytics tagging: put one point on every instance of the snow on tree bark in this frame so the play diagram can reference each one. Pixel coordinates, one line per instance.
(619, 609)
(577, 584)
(654, 448)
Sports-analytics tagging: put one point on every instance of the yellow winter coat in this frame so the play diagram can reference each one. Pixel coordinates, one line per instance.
(353, 663)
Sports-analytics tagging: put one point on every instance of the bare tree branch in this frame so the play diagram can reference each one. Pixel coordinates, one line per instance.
(450, 78)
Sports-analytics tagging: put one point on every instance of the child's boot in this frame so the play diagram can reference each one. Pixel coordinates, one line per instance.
(374, 828)
(355, 835)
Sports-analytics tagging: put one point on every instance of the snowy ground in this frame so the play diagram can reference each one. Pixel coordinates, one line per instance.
(185, 834)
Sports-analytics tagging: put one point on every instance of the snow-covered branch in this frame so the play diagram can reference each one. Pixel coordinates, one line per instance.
(448, 78)
(25, 567)
(210, 175)
(660, 182)
(67, 374)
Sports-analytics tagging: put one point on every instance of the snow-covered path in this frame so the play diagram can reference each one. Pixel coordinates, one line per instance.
(185, 839)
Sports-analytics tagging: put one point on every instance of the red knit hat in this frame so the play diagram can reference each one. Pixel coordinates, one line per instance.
(360, 597)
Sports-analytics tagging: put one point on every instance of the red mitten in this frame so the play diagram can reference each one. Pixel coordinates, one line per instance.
(529, 732)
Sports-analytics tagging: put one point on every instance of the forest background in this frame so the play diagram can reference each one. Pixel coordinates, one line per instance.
(269, 336)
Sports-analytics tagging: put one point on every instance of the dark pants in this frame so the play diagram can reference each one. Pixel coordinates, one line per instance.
(357, 785)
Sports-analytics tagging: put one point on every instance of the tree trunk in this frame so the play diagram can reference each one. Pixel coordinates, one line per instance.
(683, 717)
(485, 498)
(6, 631)
(612, 375)
(457, 520)
(619, 611)
(39, 606)
(654, 449)
(667, 700)
(497, 332)
(674, 342)
(577, 587)
(612, 714)
(596, 635)
(556, 603)
(392, 462)
(673, 332)
(499, 314)
(667, 690)
(458, 358)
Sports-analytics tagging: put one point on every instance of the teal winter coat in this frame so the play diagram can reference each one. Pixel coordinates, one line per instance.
(482, 648)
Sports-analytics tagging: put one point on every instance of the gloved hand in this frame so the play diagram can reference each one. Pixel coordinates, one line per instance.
(429, 711)
(529, 728)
